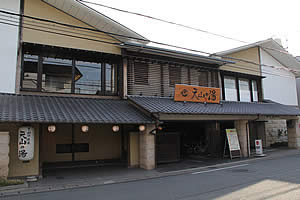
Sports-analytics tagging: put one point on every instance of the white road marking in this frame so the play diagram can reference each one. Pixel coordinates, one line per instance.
(223, 168)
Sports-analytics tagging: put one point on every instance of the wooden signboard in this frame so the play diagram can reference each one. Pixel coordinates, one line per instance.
(196, 94)
(233, 143)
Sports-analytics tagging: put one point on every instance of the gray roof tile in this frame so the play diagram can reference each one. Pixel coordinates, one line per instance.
(169, 106)
(53, 109)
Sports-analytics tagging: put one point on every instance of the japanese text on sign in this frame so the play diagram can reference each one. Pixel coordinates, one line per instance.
(196, 94)
(26, 143)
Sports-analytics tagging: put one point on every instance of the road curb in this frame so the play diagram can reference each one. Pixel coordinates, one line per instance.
(14, 187)
(135, 179)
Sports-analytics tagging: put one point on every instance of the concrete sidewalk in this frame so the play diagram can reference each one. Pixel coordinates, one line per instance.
(62, 179)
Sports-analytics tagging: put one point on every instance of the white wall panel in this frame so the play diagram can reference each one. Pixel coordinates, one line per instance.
(8, 48)
(279, 84)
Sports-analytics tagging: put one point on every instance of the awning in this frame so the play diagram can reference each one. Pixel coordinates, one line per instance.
(162, 105)
(54, 109)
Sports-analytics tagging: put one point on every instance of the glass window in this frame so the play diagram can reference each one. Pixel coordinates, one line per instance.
(254, 90)
(174, 75)
(110, 79)
(57, 75)
(30, 69)
(87, 78)
(244, 90)
(230, 88)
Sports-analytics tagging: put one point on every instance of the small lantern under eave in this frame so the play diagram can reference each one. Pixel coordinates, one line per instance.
(142, 128)
(51, 128)
(84, 128)
(115, 128)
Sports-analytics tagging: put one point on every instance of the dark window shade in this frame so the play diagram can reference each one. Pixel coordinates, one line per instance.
(69, 148)
(64, 148)
(174, 75)
(203, 79)
(214, 79)
(141, 73)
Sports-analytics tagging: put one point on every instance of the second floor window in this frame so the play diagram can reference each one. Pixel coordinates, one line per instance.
(59, 75)
(230, 88)
(141, 73)
(174, 75)
(244, 90)
(241, 89)
(254, 90)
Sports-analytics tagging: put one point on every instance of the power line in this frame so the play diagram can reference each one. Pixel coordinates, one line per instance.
(162, 20)
(84, 28)
(45, 26)
(233, 66)
(119, 35)
(177, 24)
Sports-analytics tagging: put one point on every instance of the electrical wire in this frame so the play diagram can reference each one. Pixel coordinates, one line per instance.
(119, 35)
(50, 21)
(162, 20)
(177, 24)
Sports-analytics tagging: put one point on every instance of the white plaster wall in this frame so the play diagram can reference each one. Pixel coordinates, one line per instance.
(298, 90)
(279, 84)
(8, 48)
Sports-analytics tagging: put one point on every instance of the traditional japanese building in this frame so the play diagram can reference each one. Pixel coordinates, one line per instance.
(89, 90)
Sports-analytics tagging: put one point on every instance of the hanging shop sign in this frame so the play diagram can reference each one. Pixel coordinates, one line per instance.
(233, 143)
(26, 143)
(196, 94)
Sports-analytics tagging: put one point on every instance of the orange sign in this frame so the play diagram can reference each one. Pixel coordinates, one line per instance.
(196, 94)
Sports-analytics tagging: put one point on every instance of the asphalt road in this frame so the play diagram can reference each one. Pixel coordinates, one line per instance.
(262, 179)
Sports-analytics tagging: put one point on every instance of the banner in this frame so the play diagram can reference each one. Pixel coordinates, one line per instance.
(26, 143)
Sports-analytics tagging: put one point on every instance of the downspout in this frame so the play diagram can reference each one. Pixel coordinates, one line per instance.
(248, 139)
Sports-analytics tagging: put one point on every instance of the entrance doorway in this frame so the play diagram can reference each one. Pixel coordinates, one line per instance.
(188, 140)
(69, 147)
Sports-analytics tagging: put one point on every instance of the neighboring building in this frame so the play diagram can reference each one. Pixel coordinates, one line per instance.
(279, 70)
(91, 95)
(9, 45)
(298, 83)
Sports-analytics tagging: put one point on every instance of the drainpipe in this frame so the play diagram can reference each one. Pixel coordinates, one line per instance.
(248, 139)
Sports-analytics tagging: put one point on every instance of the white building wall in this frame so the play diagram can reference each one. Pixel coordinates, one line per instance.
(8, 48)
(279, 84)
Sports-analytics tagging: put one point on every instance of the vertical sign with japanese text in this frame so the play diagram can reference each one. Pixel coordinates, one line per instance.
(26, 143)
(196, 94)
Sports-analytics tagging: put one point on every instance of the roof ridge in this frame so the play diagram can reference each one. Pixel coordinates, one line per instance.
(59, 96)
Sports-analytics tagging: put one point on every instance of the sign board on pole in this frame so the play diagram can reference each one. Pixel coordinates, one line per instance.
(233, 143)
(26, 143)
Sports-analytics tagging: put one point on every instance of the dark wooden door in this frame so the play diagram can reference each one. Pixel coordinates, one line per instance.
(167, 147)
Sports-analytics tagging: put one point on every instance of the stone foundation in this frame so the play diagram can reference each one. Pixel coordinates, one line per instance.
(293, 133)
(276, 132)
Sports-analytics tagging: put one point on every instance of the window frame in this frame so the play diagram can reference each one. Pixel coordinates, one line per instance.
(40, 75)
(238, 76)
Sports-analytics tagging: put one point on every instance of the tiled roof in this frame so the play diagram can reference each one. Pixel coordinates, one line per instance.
(53, 109)
(169, 106)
